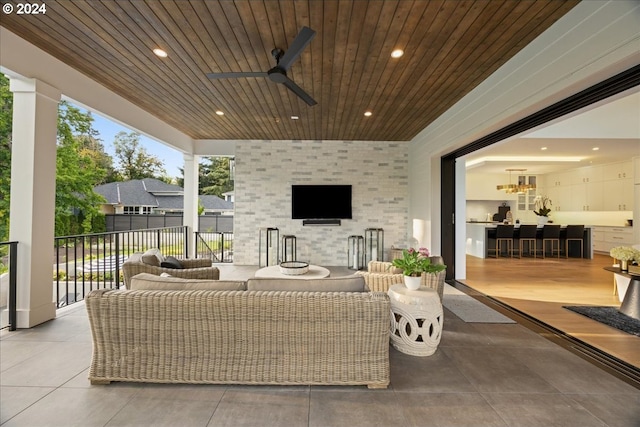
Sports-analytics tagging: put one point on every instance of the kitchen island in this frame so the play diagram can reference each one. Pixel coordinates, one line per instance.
(479, 244)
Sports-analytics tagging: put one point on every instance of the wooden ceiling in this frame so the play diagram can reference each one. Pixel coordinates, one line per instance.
(450, 47)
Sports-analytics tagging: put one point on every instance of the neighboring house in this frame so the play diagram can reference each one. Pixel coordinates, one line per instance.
(152, 196)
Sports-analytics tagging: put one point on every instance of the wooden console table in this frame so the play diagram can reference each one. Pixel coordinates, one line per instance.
(631, 302)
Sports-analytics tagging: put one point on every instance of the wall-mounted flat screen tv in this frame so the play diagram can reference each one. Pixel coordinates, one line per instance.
(321, 201)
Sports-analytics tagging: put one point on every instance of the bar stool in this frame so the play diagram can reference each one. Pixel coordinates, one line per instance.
(551, 234)
(504, 235)
(528, 235)
(575, 233)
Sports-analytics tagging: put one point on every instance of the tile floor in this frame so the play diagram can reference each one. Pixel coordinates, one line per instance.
(481, 375)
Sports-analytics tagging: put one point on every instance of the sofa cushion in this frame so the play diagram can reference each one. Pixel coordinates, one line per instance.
(171, 262)
(147, 281)
(353, 283)
(148, 257)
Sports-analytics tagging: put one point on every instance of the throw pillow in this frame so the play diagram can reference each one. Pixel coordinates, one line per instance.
(171, 262)
(150, 259)
(151, 282)
(155, 252)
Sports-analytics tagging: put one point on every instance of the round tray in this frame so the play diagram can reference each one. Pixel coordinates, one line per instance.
(294, 268)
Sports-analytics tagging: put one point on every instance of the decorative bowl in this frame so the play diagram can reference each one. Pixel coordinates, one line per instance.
(294, 268)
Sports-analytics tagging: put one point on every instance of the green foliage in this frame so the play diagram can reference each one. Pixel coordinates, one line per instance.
(78, 170)
(213, 176)
(134, 162)
(414, 263)
(6, 119)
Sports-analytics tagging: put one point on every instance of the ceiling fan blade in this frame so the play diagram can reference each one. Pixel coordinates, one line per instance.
(301, 41)
(236, 74)
(290, 84)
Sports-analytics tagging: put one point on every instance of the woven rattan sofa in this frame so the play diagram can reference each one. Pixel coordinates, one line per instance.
(151, 262)
(381, 274)
(283, 337)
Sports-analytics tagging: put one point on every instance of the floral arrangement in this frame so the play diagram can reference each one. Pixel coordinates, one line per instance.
(542, 206)
(414, 263)
(625, 253)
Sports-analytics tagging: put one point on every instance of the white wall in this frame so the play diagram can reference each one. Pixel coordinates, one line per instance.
(596, 40)
(265, 171)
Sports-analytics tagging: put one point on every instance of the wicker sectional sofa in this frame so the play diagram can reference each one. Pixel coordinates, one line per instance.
(260, 335)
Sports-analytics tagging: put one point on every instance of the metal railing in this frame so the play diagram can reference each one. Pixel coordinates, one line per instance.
(8, 282)
(86, 262)
(218, 246)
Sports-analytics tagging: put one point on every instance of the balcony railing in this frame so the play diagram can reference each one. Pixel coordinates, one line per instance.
(86, 262)
(215, 245)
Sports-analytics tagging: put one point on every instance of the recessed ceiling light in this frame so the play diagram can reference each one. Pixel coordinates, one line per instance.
(397, 53)
(220, 113)
(294, 117)
(543, 148)
(159, 52)
(368, 113)
(595, 148)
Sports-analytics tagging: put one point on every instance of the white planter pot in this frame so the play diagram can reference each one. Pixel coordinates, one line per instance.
(412, 283)
(542, 220)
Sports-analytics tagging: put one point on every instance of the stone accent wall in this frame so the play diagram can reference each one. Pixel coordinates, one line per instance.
(265, 171)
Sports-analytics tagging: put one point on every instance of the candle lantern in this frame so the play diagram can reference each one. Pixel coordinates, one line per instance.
(355, 252)
(269, 246)
(289, 251)
(374, 244)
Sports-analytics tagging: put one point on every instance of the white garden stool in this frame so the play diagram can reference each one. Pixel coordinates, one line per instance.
(416, 320)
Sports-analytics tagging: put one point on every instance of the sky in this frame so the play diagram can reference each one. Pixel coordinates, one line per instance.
(108, 129)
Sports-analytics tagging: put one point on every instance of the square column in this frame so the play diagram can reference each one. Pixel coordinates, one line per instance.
(33, 189)
(190, 213)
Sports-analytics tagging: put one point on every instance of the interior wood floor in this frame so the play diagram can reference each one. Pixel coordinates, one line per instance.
(540, 287)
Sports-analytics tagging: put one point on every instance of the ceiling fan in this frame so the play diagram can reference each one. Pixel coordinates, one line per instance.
(284, 60)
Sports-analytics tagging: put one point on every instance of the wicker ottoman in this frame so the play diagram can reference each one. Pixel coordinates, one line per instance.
(416, 320)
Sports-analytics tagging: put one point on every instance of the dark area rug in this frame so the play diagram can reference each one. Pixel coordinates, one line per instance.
(610, 316)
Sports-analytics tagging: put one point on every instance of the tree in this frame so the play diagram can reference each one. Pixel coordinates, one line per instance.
(6, 119)
(77, 172)
(93, 147)
(213, 175)
(134, 162)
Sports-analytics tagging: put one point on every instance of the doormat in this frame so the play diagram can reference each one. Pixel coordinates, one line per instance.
(610, 316)
(469, 309)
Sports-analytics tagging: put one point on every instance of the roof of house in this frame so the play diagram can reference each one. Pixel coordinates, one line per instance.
(155, 193)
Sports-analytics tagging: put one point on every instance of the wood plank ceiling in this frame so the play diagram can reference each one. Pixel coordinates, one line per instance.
(450, 47)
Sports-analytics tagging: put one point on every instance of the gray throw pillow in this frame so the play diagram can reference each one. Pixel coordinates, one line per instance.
(171, 262)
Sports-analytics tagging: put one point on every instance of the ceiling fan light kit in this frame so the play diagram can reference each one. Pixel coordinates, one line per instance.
(284, 60)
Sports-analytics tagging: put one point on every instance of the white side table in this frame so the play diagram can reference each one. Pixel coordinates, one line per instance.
(416, 320)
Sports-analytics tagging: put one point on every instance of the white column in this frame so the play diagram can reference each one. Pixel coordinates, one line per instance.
(33, 186)
(190, 218)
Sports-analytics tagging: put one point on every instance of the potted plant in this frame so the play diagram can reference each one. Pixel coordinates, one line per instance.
(413, 263)
(542, 208)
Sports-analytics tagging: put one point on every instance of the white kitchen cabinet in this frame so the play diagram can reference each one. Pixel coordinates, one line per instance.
(586, 175)
(605, 238)
(587, 197)
(557, 179)
(560, 198)
(618, 195)
(636, 170)
(617, 171)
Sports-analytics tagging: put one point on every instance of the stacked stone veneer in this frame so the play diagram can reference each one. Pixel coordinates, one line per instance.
(266, 170)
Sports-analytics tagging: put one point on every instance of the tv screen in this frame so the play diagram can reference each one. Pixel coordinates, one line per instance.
(321, 201)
